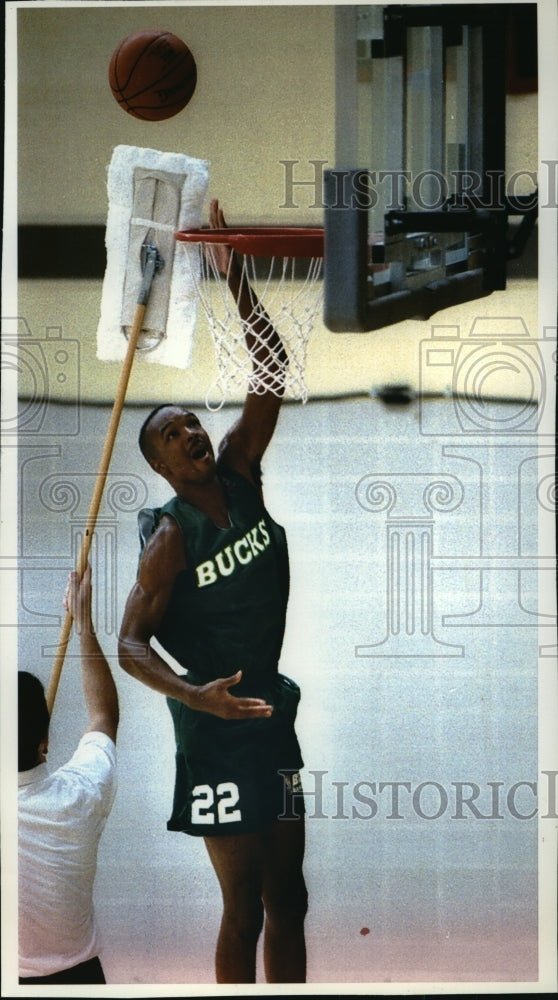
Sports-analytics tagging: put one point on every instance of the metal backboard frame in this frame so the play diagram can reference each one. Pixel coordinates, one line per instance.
(423, 222)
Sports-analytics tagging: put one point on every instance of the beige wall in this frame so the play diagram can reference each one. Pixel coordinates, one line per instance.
(265, 94)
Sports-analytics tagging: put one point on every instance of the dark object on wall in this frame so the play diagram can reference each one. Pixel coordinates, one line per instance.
(61, 251)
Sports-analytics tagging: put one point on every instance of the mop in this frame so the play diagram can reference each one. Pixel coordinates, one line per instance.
(148, 304)
(151, 195)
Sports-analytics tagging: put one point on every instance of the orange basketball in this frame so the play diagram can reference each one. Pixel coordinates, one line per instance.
(152, 75)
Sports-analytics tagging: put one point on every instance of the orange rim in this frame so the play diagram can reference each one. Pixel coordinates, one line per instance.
(262, 241)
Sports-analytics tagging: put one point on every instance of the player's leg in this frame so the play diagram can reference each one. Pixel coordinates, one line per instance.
(237, 864)
(285, 900)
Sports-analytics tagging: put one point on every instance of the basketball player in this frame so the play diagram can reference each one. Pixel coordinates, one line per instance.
(212, 587)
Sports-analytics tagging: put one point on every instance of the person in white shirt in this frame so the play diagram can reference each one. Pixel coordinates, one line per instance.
(61, 816)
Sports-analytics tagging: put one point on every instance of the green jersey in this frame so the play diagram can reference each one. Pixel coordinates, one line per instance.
(227, 609)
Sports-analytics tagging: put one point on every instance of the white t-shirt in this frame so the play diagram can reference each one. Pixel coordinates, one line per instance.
(61, 817)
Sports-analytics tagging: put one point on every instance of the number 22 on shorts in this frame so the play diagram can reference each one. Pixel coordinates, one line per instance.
(203, 806)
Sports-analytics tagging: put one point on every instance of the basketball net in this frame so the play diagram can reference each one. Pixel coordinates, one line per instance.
(286, 298)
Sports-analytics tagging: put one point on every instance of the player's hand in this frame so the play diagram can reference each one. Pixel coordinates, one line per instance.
(221, 253)
(215, 698)
(77, 599)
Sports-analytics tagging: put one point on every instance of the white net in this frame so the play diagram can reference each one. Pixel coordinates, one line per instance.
(266, 350)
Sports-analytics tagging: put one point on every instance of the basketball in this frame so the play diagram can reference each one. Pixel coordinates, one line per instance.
(152, 75)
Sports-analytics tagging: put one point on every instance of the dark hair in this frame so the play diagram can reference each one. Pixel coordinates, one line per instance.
(33, 719)
(142, 439)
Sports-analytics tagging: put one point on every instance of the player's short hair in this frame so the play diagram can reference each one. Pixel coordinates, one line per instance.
(143, 439)
(33, 719)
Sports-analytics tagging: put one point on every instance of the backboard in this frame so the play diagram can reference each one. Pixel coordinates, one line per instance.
(417, 209)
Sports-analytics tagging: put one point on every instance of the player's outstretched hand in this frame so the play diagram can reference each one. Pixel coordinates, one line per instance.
(216, 699)
(221, 253)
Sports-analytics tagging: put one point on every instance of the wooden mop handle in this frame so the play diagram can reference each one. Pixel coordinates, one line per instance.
(97, 494)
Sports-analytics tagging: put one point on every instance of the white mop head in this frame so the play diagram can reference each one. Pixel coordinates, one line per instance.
(172, 305)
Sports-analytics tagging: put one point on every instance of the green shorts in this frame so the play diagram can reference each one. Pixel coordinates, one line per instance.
(237, 776)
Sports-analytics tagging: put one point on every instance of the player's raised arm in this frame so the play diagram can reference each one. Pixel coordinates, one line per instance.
(243, 446)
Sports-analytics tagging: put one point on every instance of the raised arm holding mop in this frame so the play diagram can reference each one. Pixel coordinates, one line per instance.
(212, 588)
(61, 816)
